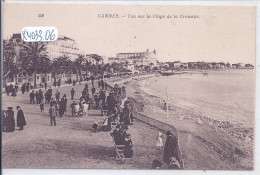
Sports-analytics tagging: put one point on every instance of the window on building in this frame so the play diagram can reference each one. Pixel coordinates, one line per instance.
(48, 78)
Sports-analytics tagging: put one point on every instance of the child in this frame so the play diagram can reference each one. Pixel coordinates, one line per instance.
(42, 107)
(159, 142)
(156, 164)
(95, 126)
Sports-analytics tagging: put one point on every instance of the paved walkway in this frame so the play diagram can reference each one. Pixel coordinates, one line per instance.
(72, 143)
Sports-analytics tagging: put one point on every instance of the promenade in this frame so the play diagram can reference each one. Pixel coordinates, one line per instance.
(72, 143)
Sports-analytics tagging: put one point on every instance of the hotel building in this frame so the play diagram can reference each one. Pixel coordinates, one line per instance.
(63, 46)
(140, 58)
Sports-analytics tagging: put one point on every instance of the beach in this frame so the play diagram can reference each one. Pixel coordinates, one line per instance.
(209, 139)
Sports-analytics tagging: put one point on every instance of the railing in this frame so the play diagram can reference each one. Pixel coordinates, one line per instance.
(156, 123)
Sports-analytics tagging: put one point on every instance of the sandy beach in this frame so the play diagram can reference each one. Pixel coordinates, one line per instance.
(205, 143)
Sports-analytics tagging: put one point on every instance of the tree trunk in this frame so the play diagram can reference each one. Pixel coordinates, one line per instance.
(34, 78)
(4, 82)
(77, 75)
(35, 72)
(27, 77)
(45, 78)
(16, 78)
(80, 76)
(54, 78)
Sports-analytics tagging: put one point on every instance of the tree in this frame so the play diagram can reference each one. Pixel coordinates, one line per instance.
(44, 65)
(34, 50)
(96, 57)
(80, 62)
(147, 68)
(9, 65)
(155, 68)
(60, 65)
(11, 60)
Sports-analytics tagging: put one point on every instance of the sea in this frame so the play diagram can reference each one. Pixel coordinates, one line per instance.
(227, 95)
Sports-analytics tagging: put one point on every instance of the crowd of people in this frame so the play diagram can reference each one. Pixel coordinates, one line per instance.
(11, 89)
(118, 116)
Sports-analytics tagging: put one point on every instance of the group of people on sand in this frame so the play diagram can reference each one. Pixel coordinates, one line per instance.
(8, 121)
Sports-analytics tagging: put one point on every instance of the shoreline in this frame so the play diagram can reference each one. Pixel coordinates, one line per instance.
(229, 151)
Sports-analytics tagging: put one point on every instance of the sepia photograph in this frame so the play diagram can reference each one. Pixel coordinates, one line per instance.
(87, 86)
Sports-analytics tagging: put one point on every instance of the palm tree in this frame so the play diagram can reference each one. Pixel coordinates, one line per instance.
(79, 64)
(44, 65)
(34, 50)
(11, 60)
(60, 65)
(8, 61)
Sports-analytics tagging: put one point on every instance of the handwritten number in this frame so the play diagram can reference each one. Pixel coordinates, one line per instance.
(38, 35)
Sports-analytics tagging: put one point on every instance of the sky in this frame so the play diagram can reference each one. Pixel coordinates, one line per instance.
(219, 34)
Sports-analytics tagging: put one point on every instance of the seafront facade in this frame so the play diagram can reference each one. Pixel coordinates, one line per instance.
(127, 71)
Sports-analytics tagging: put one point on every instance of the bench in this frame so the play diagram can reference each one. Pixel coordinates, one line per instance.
(113, 125)
(119, 149)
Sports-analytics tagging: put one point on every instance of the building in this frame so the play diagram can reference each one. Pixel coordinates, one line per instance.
(146, 58)
(116, 60)
(94, 59)
(63, 46)
(177, 64)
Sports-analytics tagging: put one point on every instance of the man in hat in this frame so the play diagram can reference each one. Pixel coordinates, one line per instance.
(72, 93)
(16, 87)
(9, 120)
(23, 88)
(170, 149)
(50, 91)
(37, 97)
(86, 87)
(27, 86)
(20, 118)
(53, 113)
(57, 95)
(40, 96)
(72, 106)
(64, 102)
(45, 85)
(32, 97)
(59, 83)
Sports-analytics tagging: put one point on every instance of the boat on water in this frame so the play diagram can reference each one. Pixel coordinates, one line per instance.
(171, 72)
(167, 72)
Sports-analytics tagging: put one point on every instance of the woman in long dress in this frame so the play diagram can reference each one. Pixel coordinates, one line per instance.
(85, 108)
(9, 120)
(128, 150)
(171, 154)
